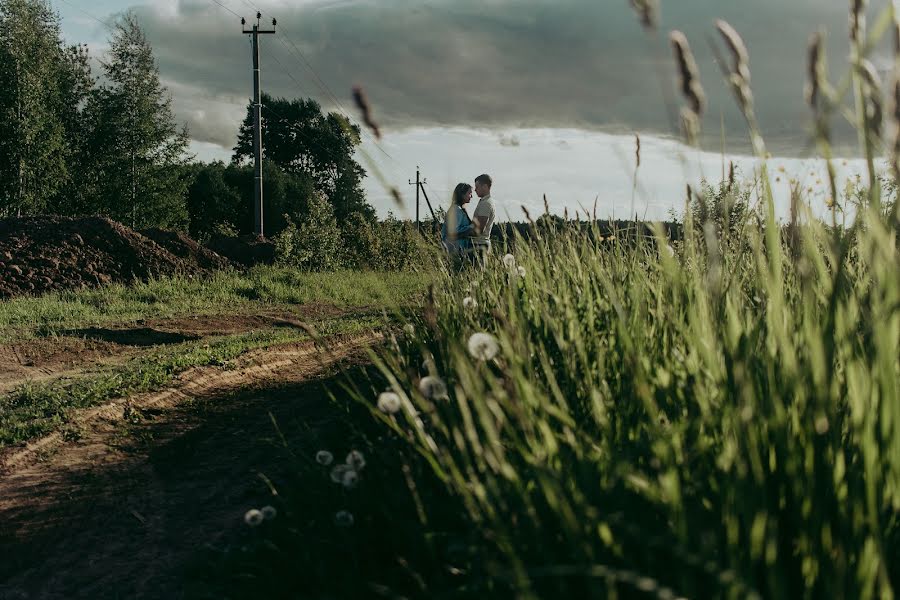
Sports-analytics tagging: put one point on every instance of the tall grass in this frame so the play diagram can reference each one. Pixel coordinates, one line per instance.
(715, 420)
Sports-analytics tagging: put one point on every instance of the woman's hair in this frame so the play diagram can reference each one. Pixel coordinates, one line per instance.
(459, 193)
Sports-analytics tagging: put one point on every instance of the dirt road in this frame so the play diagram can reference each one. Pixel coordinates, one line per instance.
(120, 511)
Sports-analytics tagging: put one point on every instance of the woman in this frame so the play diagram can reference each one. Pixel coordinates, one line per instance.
(458, 228)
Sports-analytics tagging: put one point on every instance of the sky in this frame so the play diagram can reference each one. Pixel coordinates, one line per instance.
(545, 95)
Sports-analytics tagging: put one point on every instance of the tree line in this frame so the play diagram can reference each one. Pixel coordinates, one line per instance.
(74, 142)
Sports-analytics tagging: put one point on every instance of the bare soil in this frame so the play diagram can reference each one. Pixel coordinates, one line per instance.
(90, 348)
(50, 253)
(117, 509)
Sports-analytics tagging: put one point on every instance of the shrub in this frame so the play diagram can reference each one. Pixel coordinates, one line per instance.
(313, 243)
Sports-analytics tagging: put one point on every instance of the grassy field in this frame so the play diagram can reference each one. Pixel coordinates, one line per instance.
(224, 292)
(600, 417)
(34, 409)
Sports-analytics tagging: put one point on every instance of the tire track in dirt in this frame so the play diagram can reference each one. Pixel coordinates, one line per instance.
(91, 518)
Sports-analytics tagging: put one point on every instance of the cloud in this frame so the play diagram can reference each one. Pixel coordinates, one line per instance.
(496, 64)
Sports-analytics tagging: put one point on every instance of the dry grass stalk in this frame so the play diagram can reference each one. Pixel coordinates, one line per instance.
(731, 177)
(872, 91)
(740, 57)
(857, 20)
(740, 65)
(689, 75)
(637, 151)
(362, 103)
(648, 12)
(815, 71)
(895, 150)
(688, 72)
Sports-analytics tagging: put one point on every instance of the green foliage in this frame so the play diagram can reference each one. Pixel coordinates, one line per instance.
(400, 247)
(314, 242)
(139, 151)
(304, 141)
(657, 418)
(33, 410)
(43, 82)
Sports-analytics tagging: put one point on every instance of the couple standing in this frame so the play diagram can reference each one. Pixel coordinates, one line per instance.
(463, 236)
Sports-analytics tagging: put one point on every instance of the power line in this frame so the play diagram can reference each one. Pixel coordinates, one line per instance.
(320, 83)
(89, 15)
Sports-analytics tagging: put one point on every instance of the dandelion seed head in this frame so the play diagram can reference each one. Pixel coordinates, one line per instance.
(388, 402)
(338, 472)
(509, 261)
(268, 512)
(343, 518)
(409, 329)
(253, 517)
(469, 302)
(350, 479)
(433, 387)
(483, 346)
(356, 460)
(324, 457)
(646, 584)
(521, 271)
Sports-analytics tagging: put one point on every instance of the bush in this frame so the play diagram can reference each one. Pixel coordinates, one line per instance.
(360, 241)
(314, 242)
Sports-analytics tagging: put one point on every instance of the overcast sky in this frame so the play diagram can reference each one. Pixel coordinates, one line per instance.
(544, 94)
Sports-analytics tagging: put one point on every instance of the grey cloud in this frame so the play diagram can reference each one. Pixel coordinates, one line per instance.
(500, 63)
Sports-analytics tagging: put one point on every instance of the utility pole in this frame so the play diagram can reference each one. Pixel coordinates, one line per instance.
(418, 183)
(257, 123)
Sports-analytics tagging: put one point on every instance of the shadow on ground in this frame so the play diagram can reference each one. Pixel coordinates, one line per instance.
(138, 336)
(186, 478)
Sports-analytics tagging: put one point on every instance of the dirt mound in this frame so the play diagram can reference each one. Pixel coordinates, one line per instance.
(41, 254)
(247, 250)
(184, 247)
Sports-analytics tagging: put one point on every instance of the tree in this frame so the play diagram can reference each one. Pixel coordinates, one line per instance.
(139, 174)
(211, 201)
(41, 82)
(302, 140)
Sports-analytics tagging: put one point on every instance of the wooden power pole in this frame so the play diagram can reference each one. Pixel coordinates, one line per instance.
(418, 183)
(257, 123)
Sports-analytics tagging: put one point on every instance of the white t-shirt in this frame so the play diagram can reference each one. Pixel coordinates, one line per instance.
(485, 208)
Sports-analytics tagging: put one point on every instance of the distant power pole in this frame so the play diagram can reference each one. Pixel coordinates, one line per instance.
(418, 183)
(420, 186)
(257, 123)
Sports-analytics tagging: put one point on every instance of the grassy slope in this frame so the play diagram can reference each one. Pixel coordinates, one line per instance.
(32, 410)
(224, 292)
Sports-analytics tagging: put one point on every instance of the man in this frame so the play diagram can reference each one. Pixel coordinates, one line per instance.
(484, 213)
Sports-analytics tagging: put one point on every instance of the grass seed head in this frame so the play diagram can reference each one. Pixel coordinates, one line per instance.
(873, 98)
(857, 20)
(815, 71)
(648, 12)
(688, 73)
(740, 58)
(362, 103)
